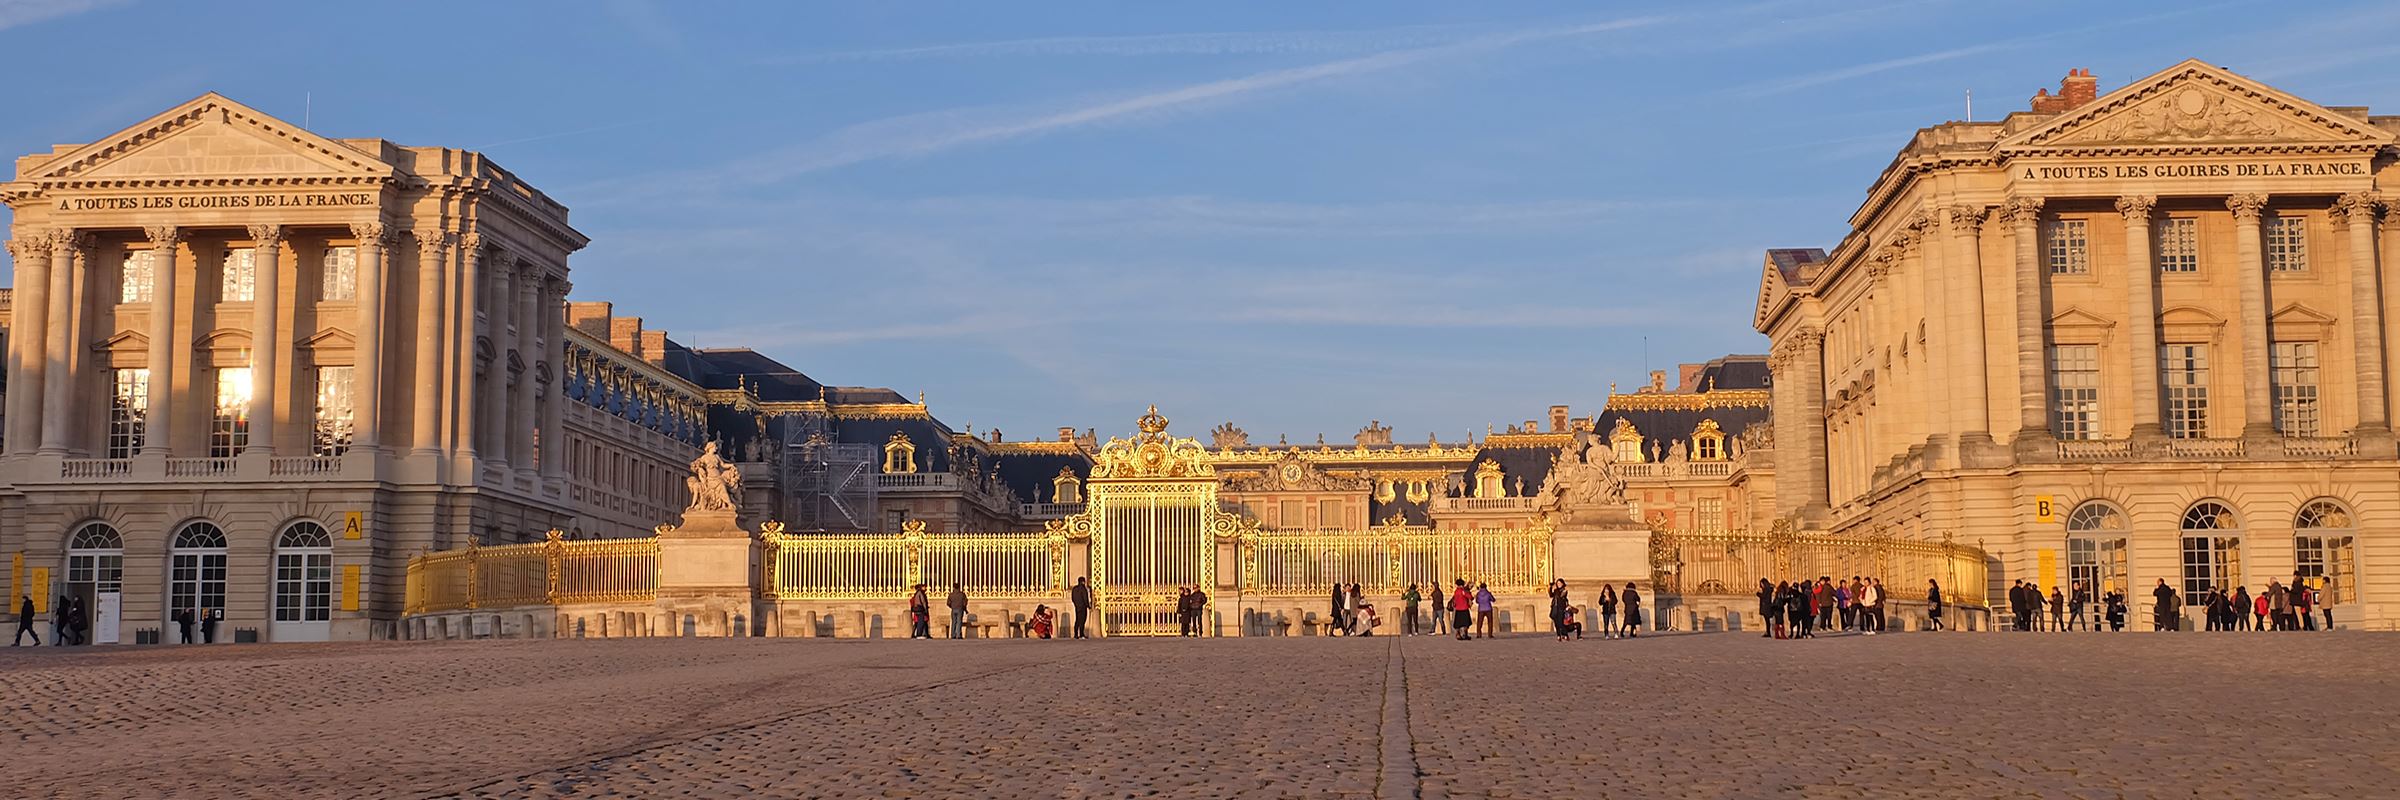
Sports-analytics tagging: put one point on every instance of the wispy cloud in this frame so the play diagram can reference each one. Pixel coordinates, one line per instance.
(916, 135)
(1840, 74)
(1160, 44)
(26, 12)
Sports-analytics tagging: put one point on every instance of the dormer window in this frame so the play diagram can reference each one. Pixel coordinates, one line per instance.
(1626, 440)
(1708, 442)
(1066, 488)
(899, 454)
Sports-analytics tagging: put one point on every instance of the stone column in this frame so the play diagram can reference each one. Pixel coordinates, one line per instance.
(367, 360)
(1970, 390)
(2258, 419)
(2141, 313)
(2024, 215)
(28, 354)
(58, 337)
(158, 429)
(1888, 430)
(433, 253)
(522, 419)
(2356, 211)
(477, 251)
(554, 344)
(266, 347)
(503, 267)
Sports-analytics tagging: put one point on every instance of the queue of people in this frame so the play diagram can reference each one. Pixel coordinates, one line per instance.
(1800, 609)
(2278, 606)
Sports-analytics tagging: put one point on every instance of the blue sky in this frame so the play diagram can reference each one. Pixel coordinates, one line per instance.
(1297, 217)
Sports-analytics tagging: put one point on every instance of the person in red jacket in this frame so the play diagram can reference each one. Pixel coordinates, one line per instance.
(1462, 610)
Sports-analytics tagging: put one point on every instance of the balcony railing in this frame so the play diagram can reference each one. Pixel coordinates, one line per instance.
(2292, 447)
(199, 467)
(1047, 510)
(89, 468)
(1455, 504)
(286, 466)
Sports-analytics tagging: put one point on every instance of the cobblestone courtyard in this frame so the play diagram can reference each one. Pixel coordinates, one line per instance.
(1718, 715)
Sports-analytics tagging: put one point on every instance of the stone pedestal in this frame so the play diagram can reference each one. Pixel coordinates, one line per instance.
(704, 573)
(1589, 554)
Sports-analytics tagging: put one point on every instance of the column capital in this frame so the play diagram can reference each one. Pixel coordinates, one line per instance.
(432, 242)
(2246, 206)
(373, 231)
(557, 288)
(266, 234)
(2021, 212)
(529, 274)
(1967, 218)
(2357, 208)
(2137, 206)
(32, 245)
(165, 235)
(1880, 264)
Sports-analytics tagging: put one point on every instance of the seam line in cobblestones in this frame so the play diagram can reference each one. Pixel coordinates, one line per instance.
(621, 752)
(1399, 776)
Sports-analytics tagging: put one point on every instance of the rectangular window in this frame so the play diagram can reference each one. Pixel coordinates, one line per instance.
(2295, 368)
(128, 407)
(2070, 247)
(240, 275)
(1293, 516)
(2097, 563)
(332, 423)
(133, 280)
(896, 518)
(2075, 391)
(2287, 243)
(1329, 515)
(2184, 369)
(229, 426)
(2178, 244)
(1712, 514)
(2328, 563)
(340, 274)
(2210, 561)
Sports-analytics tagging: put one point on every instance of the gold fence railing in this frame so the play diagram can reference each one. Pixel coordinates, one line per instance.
(1391, 557)
(876, 566)
(1695, 564)
(553, 571)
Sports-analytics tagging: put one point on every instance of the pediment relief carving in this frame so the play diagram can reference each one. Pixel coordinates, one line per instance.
(2194, 103)
(207, 137)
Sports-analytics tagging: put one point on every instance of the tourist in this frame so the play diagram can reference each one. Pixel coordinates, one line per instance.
(1871, 602)
(1461, 605)
(60, 631)
(2080, 596)
(1364, 620)
(1633, 610)
(1767, 599)
(1558, 607)
(78, 622)
(2239, 606)
(2279, 606)
(2058, 609)
(2162, 611)
(2218, 606)
(1855, 609)
(1843, 599)
(1409, 600)
(1608, 611)
(1572, 626)
(958, 612)
(2301, 596)
(2323, 600)
(1341, 602)
(919, 607)
(1350, 613)
(25, 624)
(1483, 610)
(1823, 599)
(2116, 610)
(1199, 613)
(1796, 609)
(1933, 604)
(1441, 611)
(209, 617)
(2016, 605)
(1043, 620)
(1183, 611)
(1082, 598)
(2258, 611)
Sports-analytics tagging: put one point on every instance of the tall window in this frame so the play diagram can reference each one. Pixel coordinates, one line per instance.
(229, 426)
(2075, 391)
(196, 570)
(2325, 550)
(2212, 551)
(340, 274)
(2096, 548)
(1329, 515)
(95, 560)
(2287, 243)
(128, 408)
(133, 281)
(240, 275)
(304, 574)
(2178, 244)
(2295, 368)
(2184, 369)
(331, 426)
(1712, 514)
(2070, 247)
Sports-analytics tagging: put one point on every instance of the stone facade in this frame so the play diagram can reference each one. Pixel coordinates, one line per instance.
(2117, 338)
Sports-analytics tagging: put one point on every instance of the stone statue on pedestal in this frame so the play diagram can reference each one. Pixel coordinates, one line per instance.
(715, 484)
(1584, 484)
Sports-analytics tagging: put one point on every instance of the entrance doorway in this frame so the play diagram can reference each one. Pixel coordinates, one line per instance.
(96, 567)
(303, 598)
(195, 579)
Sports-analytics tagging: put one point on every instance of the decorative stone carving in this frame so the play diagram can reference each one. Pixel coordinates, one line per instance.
(1968, 219)
(2357, 208)
(2188, 114)
(370, 232)
(715, 484)
(1226, 437)
(2246, 206)
(1584, 485)
(266, 236)
(433, 244)
(164, 235)
(2021, 212)
(2136, 206)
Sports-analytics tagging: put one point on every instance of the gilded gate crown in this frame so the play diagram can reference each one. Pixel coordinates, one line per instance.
(1152, 423)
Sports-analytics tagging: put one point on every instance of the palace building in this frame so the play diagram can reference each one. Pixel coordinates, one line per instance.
(2113, 339)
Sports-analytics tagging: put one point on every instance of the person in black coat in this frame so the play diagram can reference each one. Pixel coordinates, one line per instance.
(25, 624)
(184, 620)
(1766, 608)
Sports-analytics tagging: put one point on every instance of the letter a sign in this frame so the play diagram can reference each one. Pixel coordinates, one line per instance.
(2045, 509)
(353, 524)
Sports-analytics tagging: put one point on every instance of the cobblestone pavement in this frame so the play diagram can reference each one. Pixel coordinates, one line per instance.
(1716, 715)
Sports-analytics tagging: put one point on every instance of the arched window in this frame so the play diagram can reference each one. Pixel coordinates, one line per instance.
(2096, 548)
(2212, 550)
(2325, 549)
(1708, 442)
(196, 571)
(304, 574)
(95, 561)
(1066, 488)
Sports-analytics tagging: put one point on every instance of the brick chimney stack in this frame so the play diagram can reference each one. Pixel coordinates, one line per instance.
(2078, 88)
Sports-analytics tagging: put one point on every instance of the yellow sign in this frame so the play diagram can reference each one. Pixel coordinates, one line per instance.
(2048, 570)
(41, 590)
(16, 579)
(2045, 509)
(354, 524)
(350, 585)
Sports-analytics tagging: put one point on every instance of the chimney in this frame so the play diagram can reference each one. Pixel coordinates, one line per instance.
(1066, 433)
(625, 333)
(1558, 419)
(2078, 88)
(1687, 374)
(590, 317)
(654, 346)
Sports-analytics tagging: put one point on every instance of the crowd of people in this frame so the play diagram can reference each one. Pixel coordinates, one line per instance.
(1799, 609)
(2276, 607)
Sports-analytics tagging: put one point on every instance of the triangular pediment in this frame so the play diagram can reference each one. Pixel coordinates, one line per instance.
(329, 338)
(209, 137)
(123, 341)
(2076, 317)
(2194, 104)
